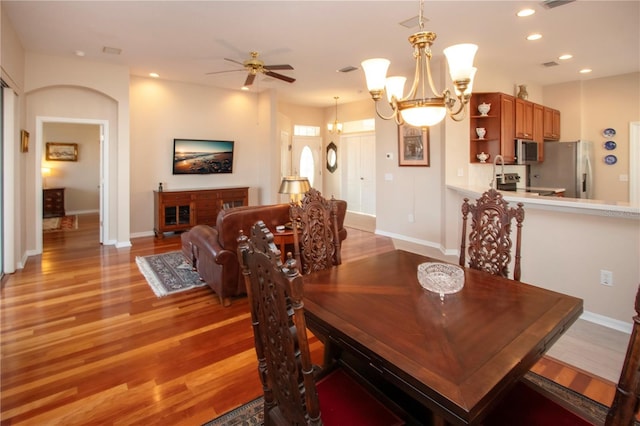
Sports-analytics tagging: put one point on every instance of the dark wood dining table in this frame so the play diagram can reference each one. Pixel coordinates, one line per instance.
(456, 357)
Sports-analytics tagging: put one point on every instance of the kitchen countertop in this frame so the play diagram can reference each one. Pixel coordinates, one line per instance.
(537, 190)
(572, 205)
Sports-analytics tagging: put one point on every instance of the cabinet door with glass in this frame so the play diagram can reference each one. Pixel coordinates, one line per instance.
(174, 212)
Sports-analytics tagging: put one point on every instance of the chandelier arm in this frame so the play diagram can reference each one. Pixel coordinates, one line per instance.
(450, 102)
(459, 115)
(395, 112)
(431, 84)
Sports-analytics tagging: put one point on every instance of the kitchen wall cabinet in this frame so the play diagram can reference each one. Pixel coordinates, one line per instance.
(182, 209)
(551, 124)
(498, 123)
(523, 119)
(538, 126)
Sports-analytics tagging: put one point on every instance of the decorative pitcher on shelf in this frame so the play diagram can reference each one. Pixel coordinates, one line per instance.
(484, 108)
(483, 157)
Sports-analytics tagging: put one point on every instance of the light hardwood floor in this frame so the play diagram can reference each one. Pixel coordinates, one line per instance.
(85, 341)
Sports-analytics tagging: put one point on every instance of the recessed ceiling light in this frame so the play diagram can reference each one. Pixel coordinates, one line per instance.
(245, 88)
(565, 57)
(79, 53)
(585, 70)
(154, 74)
(525, 12)
(532, 37)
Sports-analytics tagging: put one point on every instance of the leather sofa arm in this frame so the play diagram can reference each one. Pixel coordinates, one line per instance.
(223, 256)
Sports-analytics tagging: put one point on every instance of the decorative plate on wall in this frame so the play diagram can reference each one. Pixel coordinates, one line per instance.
(610, 145)
(611, 159)
(609, 133)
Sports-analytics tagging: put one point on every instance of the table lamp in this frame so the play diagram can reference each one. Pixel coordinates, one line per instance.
(294, 186)
(46, 171)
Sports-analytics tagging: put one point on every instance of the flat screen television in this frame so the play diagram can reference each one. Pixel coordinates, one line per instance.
(196, 157)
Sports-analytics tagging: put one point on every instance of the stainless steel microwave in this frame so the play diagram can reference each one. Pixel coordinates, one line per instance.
(526, 151)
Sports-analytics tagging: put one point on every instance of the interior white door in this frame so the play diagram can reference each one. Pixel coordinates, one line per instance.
(307, 159)
(359, 184)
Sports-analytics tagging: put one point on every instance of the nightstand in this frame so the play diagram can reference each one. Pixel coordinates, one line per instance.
(53, 202)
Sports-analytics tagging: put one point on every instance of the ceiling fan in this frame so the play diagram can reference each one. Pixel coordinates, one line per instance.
(255, 66)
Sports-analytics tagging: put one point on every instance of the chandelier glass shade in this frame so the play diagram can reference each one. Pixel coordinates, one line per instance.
(424, 106)
(335, 127)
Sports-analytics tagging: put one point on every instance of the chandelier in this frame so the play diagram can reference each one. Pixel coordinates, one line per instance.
(335, 126)
(419, 108)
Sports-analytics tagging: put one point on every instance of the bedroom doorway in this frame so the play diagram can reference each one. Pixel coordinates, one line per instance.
(87, 194)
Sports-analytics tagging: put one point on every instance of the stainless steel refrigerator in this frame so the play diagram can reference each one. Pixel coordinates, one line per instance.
(566, 165)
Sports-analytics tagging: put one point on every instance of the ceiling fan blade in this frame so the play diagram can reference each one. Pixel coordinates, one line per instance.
(249, 80)
(278, 67)
(234, 61)
(220, 72)
(280, 76)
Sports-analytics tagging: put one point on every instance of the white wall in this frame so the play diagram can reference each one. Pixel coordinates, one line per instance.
(66, 87)
(163, 110)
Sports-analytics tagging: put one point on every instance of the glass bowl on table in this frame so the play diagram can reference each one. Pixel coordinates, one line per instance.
(441, 278)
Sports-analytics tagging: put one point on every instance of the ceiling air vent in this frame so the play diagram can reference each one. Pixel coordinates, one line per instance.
(112, 50)
(413, 22)
(550, 4)
(550, 64)
(348, 69)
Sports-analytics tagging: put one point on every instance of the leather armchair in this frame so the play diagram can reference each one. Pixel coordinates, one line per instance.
(213, 251)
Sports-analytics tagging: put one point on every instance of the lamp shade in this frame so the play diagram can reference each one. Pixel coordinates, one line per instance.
(375, 71)
(294, 185)
(460, 60)
(395, 87)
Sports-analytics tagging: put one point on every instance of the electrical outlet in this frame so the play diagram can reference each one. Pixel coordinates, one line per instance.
(411, 218)
(606, 277)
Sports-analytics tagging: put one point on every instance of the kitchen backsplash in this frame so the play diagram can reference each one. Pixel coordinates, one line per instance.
(482, 174)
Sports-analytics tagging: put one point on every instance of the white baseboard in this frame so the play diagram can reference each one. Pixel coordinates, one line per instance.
(142, 234)
(81, 212)
(612, 323)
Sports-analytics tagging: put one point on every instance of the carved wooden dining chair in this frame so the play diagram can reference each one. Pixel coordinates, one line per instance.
(530, 404)
(490, 236)
(294, 392)
(317, 244)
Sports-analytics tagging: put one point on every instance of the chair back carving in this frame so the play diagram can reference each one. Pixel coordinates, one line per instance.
(627, 398)
(284, 362)
(317, 244)
(490, 236)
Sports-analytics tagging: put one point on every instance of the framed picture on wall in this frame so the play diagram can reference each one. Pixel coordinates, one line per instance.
(56, 151)
(24, 141)
(413, 146)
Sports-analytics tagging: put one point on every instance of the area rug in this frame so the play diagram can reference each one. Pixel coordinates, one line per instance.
(168, 273)
(248, 414)
(251, 413)
(64, 223)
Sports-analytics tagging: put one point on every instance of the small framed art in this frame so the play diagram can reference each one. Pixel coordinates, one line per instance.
(413, 146)
(56, 151)
(24, 141)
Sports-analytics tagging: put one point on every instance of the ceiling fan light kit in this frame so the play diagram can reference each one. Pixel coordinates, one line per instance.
(418, 108)
(255, 66)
